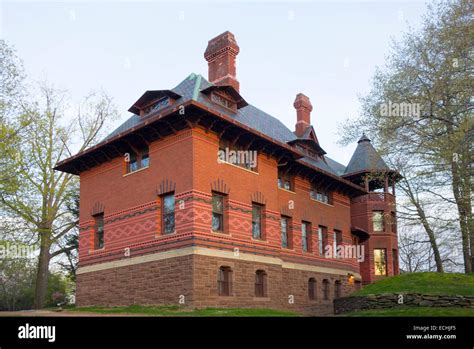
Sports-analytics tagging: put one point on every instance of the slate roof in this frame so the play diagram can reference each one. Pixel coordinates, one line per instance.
(190, 89)
(365, 158)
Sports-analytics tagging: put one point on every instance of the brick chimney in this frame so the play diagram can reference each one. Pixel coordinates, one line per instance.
(303, 113)
(220, 55)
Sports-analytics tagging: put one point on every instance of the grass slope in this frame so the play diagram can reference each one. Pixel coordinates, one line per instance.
(426, 283)
(414, 311)
(178, 311)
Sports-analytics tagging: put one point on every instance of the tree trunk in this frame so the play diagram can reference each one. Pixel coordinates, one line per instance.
(465, 217)
(43, 270)
(426, 225)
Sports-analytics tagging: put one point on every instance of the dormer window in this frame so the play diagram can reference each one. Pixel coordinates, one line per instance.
(224, 100)
(159, 104)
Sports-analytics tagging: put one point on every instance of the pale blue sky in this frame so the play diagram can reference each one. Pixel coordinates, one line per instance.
(326, 50)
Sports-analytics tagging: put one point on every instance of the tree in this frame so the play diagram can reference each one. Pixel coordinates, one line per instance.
(421, 108)
(43, 198)
(11, 93)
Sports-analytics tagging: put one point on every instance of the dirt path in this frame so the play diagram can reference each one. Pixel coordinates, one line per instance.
(50, 313)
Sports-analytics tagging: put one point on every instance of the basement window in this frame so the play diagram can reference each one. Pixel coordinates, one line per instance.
(312, 289)
(260, 283)
(337, 289)
(326, 289)
(224, 281)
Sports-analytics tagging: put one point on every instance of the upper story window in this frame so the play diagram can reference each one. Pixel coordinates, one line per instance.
(306, 237)
(285, 180)
(322, 239)
(161, 103)
(321, 195)
(168, 213)
(138, 159)
(393, 222)
(99, 231)
(285, 223)
(236, 155)
(378, 221)
(337, 240)
(224, 101)
(217, 212)
(256, 221)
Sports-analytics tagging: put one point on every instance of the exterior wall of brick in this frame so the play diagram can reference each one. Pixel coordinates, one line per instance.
(186, 164)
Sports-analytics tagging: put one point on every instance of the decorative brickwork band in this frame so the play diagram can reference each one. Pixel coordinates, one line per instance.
(220, 186)
(166, 186)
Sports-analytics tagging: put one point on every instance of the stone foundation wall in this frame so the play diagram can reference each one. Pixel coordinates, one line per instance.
(159, 282)
(349, 304)
(165, 282)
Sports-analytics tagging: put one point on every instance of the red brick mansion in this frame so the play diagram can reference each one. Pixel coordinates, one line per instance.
(203, 200)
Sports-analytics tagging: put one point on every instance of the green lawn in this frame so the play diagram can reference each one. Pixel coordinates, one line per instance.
(413, 311)
(178, 311)
(426, 283)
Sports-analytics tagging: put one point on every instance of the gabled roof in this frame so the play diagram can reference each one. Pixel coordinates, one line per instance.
(309, 138)
(365, 159)
(150, 95)
(194, 88)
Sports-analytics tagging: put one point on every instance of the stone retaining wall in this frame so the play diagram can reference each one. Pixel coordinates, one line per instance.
(354, 303)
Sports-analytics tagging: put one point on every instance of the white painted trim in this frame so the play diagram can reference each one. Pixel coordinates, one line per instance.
(201, 251)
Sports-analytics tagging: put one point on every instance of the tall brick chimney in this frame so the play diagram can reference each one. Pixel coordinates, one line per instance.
(220, 55)
(303, 113)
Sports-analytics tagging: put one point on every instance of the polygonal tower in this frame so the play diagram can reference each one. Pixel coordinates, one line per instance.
(375, 212)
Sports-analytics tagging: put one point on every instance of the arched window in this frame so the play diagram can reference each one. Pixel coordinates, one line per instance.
(312, 288)
(224, 281)
(260, 283)
(326, 289)
(337, 289)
